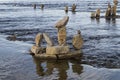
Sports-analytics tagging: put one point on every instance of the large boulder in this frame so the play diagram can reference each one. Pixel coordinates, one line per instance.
(62, 22)
(77, 41)
(53, 50)
(62, 36)
(38, 39)
(47, 39)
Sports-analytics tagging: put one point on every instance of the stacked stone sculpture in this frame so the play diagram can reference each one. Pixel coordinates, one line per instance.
(62, 48)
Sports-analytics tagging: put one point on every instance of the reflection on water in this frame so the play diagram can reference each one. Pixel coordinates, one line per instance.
(62, 66)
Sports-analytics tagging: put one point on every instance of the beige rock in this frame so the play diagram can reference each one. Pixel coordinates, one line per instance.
(37, 50)
(57, 50)
(62, 36)
(93, 14)
(38, 39)
(47, 39)
(77, 41)
(97, 13)
(115, 2)
(66, 9)
(62, 22)
(113, 10)
(108, 12)
(73, 7)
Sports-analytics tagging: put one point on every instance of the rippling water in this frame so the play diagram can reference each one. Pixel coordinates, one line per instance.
(101, 39)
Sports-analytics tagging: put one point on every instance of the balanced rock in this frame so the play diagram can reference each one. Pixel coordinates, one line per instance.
(97, 13)
(57, 50)
(73, 7)
(38, 39)
(62, 22)
(62, 36)
(115, 2)
(113, 10)
(47, 39)
(66, 9)
(77, 41)
(93, 14)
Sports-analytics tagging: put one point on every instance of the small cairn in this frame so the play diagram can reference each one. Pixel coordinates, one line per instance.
(115, 2)
(108, 11)
(42, 6)
(98, 13)
(66, 9)
(62, 48)
(111, 11)
(73, 8)
(34, 6)
(77, 41)
(95, 14)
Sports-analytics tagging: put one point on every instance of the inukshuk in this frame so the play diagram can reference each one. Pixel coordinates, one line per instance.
(61, 26)
(77, 41)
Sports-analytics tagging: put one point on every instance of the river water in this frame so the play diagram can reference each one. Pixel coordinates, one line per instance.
(101, 49)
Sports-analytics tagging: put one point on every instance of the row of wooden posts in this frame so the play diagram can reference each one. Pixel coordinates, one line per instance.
(66, 7)
(110, 12)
